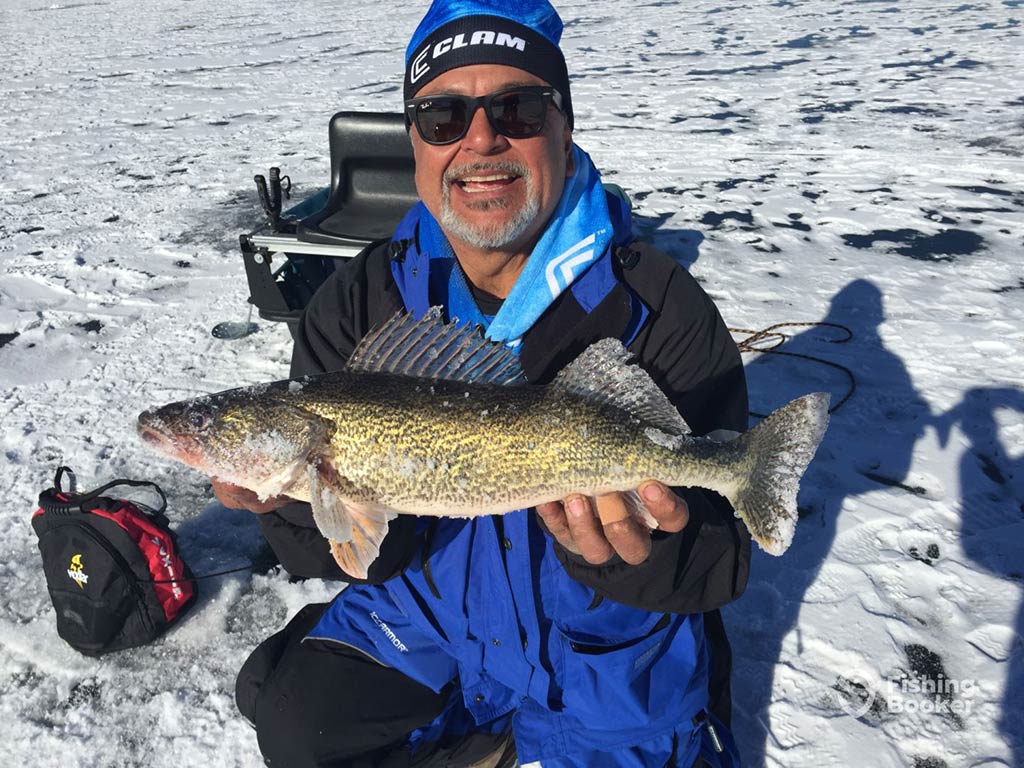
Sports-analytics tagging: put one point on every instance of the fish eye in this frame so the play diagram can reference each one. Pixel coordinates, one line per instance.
(200, 417)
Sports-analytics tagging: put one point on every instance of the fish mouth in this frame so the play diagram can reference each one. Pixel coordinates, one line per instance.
(146, 425)
(149, 429)
(152, 436)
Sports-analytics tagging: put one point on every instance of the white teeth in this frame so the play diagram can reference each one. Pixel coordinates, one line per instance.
(484, 179)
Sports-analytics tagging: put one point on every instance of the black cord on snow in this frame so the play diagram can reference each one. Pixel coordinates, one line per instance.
(768, 340)
(196, 578)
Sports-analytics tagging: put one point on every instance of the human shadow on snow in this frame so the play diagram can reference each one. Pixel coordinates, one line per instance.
(992, 527)
(869, 444)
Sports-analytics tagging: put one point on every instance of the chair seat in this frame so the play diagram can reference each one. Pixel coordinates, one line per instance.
(372, 180)
(359, 221)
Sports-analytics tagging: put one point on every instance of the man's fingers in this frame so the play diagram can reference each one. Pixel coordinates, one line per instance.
(553, 515)
(587, 531)
(611, 508)
(621, 530)
(226, 493)
(665, 506)
(601, 527)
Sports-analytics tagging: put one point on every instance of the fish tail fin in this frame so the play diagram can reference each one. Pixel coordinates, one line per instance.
(779, 450)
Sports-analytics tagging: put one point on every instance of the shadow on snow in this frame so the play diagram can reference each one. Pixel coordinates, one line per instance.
(869, 445)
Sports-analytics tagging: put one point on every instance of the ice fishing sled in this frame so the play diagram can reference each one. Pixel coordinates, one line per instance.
(371, 189)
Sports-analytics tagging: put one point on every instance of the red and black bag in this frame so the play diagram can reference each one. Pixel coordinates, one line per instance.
(112, 566)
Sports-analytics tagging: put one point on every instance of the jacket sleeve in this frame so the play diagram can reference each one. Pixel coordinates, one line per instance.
(346, 306)
(688, 351)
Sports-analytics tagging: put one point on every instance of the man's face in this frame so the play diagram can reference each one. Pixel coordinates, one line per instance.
(486, 190)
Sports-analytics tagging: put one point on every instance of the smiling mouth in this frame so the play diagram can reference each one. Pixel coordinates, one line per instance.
(485, 182)
(487, 177)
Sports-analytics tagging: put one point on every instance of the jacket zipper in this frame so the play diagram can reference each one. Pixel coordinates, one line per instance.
(702, 718)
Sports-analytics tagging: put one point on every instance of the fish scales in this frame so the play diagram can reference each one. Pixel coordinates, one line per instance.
(464, 449)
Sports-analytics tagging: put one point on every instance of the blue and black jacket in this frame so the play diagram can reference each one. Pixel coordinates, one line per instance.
(595, 665)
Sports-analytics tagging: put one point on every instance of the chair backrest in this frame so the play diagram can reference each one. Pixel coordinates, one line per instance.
(371, 161)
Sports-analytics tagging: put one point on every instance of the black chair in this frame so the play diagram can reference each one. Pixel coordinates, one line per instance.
(372, 188)
(372, 185)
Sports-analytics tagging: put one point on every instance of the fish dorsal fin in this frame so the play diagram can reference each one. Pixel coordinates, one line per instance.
(430, 348)
(602, 372)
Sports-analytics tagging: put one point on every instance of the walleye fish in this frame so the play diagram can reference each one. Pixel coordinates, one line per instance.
(429, 418)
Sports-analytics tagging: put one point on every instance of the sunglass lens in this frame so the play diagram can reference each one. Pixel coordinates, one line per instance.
(515, 114)
(519, 114)
(441, 120)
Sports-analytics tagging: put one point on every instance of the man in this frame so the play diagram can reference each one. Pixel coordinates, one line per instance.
(591, 639)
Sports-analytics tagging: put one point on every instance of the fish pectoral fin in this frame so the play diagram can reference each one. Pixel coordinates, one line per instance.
(330, 513)
(638, 510)
(348, 516)
(369, 527)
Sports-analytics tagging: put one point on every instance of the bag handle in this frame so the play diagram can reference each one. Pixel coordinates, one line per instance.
(49, 501)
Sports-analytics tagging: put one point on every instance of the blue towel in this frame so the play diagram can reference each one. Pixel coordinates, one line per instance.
(579, 232)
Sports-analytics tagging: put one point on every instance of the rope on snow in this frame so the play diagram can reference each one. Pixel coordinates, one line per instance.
(768, 340)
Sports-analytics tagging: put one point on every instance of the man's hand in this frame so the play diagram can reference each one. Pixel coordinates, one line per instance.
(599, 534)
(235, 497)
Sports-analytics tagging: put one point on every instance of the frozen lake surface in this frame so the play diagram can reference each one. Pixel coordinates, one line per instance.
(859, 163)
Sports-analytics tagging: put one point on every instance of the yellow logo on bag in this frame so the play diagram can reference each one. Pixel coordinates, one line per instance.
(77, 571)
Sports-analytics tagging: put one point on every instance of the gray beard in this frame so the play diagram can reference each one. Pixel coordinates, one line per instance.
(489, 236)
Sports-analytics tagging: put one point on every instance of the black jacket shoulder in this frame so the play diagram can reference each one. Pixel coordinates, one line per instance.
(358, 296)
(687, 347)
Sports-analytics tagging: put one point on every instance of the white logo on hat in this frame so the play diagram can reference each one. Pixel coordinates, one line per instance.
(481, 37)
(419, 66)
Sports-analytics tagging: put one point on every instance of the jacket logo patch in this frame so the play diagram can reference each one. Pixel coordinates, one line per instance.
(76, 571)
(645, 657)
(388, 633)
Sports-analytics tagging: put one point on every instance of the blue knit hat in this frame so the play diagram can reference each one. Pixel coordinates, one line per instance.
(458, 33)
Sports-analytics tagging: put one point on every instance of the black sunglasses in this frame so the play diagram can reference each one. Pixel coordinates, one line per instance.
(516, 113)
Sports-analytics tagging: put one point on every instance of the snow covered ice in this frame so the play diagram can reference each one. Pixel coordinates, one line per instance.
(857, 162)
